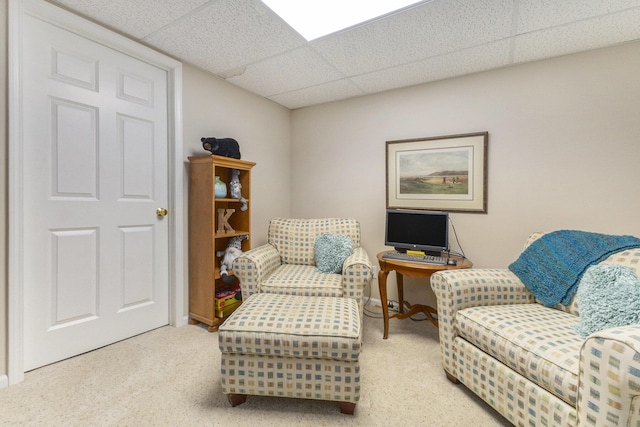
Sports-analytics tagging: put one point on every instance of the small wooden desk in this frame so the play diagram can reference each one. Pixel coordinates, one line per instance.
(410, 269)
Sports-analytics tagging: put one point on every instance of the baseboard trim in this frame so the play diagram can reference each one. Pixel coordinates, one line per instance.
(4, 381)
(374, 302)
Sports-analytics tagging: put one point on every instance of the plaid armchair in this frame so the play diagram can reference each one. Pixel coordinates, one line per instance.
(286, 264)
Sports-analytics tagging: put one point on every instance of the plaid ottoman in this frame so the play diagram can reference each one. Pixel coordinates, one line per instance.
(292, 346)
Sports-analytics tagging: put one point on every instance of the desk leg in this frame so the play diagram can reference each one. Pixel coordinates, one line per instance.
(382, 286)
(400, 283)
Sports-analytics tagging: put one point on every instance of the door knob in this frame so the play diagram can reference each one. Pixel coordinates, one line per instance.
(161, 212)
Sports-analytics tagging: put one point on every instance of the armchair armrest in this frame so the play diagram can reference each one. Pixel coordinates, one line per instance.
(356, 274)
(609, 378)
(459, 289)
(253, 266)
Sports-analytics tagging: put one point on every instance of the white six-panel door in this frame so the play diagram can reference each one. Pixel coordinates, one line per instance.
(95, 170)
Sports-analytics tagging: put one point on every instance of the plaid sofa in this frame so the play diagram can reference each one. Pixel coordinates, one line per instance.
(286, 265)
(527, 361)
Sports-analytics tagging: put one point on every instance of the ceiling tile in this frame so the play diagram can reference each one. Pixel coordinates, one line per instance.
(293, 70)
(578, 37)
(247, 44)
(538, 14)
(334, 91)
(467, 61)
(137, 18)
(424, 31)
(227, 34)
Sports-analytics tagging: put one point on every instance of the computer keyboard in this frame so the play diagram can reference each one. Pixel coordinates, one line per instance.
(427, 259)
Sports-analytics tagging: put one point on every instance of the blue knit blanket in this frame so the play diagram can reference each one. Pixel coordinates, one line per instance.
(551, 267)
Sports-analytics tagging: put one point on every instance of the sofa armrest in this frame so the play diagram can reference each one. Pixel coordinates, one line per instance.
(609, 378)
(253, 266)
(459, 289)
(356, 274)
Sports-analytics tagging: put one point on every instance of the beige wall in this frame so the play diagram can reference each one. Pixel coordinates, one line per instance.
(213, 107)
(3, 188)
(564, 146)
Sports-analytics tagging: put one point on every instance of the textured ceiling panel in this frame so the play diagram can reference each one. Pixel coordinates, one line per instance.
(334, 91)
(135, 18)
(578, 37)
(226, 35)
(538, 14)
(424, 31)
(297, 69)
(247, 44)
(468, 61)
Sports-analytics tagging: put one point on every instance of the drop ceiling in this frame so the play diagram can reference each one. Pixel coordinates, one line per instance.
(245, 43)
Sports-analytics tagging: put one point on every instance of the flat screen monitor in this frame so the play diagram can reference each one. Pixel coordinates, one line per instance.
(417, 230)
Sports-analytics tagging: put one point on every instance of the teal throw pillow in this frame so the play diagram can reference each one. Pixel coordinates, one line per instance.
(330, 252)
(608, 296)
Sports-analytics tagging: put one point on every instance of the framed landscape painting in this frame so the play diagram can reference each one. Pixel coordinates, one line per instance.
(444, 173)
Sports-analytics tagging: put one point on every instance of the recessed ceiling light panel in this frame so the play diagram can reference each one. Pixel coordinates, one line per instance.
(317, 18)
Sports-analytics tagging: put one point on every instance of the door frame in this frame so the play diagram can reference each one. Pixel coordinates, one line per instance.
(94, 32)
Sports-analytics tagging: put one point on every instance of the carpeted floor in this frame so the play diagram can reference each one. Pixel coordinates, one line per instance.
(169, 377)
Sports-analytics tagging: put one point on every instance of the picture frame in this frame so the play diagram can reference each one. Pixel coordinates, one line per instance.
(442, 173)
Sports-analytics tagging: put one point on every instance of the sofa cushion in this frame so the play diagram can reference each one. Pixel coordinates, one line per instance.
(628, 258)
(303, 280)
(551, 267)
(538, 342)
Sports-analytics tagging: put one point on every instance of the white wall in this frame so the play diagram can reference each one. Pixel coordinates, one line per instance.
(3, 189)
(213, 107)
(564, 146)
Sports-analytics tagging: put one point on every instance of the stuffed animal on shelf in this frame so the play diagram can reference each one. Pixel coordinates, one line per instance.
(233, 251)
(227, 147)
(235, 189)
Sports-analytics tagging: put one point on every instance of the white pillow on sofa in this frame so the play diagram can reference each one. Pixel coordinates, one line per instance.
(608, 296)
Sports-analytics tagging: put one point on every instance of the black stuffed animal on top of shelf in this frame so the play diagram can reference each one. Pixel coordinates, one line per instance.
(227, 147)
